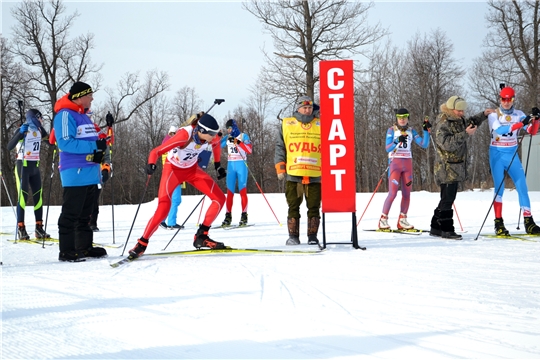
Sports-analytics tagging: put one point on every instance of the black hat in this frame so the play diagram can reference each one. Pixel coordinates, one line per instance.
(79, 89)
(208, 125)
(402, 111)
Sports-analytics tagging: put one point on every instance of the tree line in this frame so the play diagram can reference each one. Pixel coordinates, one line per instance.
(42, 59)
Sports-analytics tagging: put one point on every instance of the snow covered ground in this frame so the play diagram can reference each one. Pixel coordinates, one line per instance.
(404, 297)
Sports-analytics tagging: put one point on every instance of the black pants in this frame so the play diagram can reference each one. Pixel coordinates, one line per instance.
(448, 196)
(95, 210)
(74, 233)
(30, 178)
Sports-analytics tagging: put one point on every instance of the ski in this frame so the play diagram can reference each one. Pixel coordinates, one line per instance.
(112, 246)
(518, 237)
(47, 242)
(231, 227)
(228, 250)
(397, 231)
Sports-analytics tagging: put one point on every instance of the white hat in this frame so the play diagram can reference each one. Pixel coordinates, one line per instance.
(173, 129)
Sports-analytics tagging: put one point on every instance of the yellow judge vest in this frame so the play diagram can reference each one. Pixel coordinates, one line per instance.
(303, 144)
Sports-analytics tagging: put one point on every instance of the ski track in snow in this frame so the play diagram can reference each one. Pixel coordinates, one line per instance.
(405, 296)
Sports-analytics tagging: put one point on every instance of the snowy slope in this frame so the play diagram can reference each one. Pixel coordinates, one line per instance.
(405, 296)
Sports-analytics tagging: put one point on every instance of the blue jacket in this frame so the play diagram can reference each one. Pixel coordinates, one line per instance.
(76, 138)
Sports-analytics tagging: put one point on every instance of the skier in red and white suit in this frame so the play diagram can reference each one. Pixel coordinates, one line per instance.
(181, 165)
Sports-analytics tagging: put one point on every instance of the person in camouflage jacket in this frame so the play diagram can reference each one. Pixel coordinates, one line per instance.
(451, 133)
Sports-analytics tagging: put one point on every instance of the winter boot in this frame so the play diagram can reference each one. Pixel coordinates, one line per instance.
(293, 225)
(530, 226)
(227, 221)
(71, 256)
(313, 228)
(21, 231)
(94, 252)
(435, 229)
(402, 223)
(383, 222)
(243, 219)
(446, 222)
(40, 233)
(139, 248)
(201, 239)
(500, 230)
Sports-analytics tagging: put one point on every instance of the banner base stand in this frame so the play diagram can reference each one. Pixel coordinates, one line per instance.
(354, 235)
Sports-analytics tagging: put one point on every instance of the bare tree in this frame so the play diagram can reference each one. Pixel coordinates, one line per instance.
(186, 103)
(305, 32)
(512, 53)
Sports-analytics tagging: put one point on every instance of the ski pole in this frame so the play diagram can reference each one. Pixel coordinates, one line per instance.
(526, 167)
(379, 183)
(110, 135)
(455, 210)
(181, 227)
(138, 207)
(49, 195)
(9, 197)
(499, 188)
(200, 213)
(21, 105)
(256, 183)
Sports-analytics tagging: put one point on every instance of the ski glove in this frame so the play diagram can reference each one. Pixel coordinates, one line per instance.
(101, 145)
(535, 112)
(150, 168)
(221, 171)
(104, 175)
(109, 119)
(24, 129)
(426, 125)
(402, 139)
(526, 120)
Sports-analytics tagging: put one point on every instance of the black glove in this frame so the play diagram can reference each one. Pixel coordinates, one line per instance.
(402, 139)
(104, 175)
(535, 112)
(426, 125)
(526, 120)
(150, 168)
(98, 154)
(221, 173)
(230, 139)
(109, 119)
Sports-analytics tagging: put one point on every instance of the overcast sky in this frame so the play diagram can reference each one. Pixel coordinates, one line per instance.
(216, 46)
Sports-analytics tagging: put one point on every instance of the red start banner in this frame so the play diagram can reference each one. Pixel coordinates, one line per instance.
(337, 136)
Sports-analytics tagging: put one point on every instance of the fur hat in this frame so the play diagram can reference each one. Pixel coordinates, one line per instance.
(78, 90)
(456, 103)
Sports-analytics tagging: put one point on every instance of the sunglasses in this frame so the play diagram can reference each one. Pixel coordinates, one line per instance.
(205, 130)
(306, 103)
(401, 116)
(507, 99)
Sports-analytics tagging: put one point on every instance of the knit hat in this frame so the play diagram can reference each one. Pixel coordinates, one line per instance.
(32, 117)
(208, 125)
(79, 89)
(172, 129)
(303, 101)
(231, 123)
(456, 103)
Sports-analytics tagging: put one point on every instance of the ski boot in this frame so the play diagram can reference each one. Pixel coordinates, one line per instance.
(403, 224)
(227, 221)
(94, 227)
(201, 239)
(176, 227)
(163, 225)
(243, 219)
(383, 222)
(530, 226)
(21, 232)
(139, 248)
(500, 230)
(40, 233)
(293, 225)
